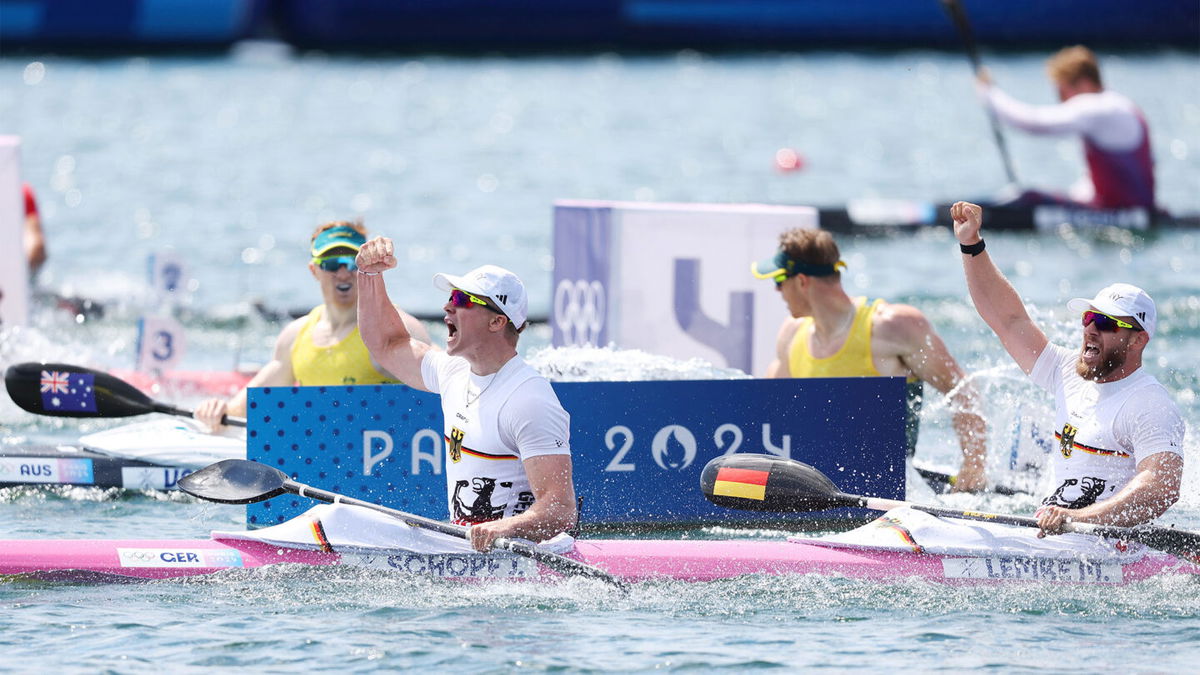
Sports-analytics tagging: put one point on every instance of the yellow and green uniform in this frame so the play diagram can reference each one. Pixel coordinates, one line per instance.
(347, 362)
(853, 359)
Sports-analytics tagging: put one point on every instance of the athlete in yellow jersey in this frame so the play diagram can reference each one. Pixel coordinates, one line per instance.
(346, 361)
(324, 347)
(831, 334)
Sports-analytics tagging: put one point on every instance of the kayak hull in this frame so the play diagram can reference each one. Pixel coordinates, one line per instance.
(149, 455)
(634, 560)
(134, 559)
(74, 465)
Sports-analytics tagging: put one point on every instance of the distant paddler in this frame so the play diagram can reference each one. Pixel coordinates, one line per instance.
(1120, 435)
(508, 451)
(831, 334)
(32, 235)
(1116, 138)
(325, 346)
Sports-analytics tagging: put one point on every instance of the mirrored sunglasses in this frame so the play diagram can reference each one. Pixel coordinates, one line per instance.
(1105, 323)
(461, 299)
(333, 263)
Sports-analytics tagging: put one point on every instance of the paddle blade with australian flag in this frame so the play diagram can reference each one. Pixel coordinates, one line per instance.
(68, 392)
(64, 390)
(753, 482)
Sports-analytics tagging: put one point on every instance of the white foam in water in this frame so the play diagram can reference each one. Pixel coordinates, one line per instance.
(608, 364)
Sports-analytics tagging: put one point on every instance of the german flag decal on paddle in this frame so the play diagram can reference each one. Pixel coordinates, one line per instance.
(744, 483)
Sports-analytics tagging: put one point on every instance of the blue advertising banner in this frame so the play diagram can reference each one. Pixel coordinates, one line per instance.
(638, 447)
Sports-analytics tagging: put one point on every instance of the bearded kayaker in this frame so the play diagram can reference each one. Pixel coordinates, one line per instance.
(831, 334)
(1120, 438)
(508, 459)
(323, 347)
(1116, 139)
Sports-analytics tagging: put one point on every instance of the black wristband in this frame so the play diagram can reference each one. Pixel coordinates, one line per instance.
(972, 249)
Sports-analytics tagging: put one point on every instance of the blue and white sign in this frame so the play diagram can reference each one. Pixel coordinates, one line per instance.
(582, 241)
(161, 343)
(169, 277)
(638, 448)
(670, 279)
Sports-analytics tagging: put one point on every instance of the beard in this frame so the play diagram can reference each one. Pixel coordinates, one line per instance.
(1111, 358)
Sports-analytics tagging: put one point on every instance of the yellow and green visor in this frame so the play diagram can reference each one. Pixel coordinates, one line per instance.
(782, 267)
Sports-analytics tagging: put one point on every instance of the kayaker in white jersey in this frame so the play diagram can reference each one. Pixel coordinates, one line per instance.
(1120, 435)
(508, 458)
(1116, 138)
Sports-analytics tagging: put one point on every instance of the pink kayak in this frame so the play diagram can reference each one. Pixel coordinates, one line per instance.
(635, 560)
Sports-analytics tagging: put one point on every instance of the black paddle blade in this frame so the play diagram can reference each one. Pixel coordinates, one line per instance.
(769, 483)
(235, 481)
(1181, 543)
(64, 390)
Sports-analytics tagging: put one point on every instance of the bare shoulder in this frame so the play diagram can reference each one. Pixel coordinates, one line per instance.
(292, 329)
(788, 328)
(287, 336)
(900, 323)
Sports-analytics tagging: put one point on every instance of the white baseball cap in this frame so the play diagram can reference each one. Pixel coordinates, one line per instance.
(495, 283)
(1121, 300)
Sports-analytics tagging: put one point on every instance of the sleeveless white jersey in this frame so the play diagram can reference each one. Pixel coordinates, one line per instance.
(1103, 430)
(491, 424)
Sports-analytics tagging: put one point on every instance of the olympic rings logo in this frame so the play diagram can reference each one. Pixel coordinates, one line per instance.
(580, 307)
(144, 555)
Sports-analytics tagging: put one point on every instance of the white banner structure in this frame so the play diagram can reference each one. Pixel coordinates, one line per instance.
(670, 279)
(14, 274)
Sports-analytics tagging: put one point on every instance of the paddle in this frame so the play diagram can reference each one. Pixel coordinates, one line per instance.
(64, 390)
(240, 481)
(770, 483)
(959, 16)
(942, 482)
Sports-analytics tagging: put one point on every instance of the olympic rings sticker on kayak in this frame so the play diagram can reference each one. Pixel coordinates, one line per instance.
(169, 557)
(580, 308)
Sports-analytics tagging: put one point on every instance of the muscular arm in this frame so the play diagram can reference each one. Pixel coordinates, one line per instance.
(1098, 117)
(783, 342)
(277, 373)
(1152, 491)
(995, 299)
(553, 509)
(1059, 118)
(383, 329)
(35, 243)
(416, 330)
(921, 349)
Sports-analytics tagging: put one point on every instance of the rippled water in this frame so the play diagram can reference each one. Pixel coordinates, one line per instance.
(233, 159)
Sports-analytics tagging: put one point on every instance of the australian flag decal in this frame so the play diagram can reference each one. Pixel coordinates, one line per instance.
(68, 391)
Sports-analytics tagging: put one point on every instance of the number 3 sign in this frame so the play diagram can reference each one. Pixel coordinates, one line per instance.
(160, 343)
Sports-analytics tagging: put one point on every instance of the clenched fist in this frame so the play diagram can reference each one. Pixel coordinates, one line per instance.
(968, 219)
(376, 256)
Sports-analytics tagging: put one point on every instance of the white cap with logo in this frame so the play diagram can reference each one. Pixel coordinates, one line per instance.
(495, 283)
(1121, 300)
